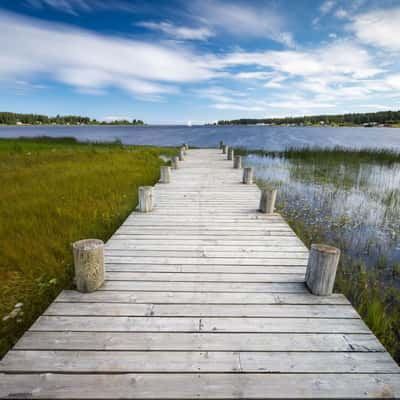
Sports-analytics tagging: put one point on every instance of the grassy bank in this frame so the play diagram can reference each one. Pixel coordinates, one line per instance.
(54, 192)
(349, 199)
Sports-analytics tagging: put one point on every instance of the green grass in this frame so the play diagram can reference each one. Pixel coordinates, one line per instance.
(54, 192)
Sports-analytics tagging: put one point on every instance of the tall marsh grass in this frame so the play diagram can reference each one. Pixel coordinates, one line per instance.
(54, 192)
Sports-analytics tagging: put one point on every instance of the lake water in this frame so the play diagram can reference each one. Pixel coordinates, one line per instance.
(251, 137)
(354, 206)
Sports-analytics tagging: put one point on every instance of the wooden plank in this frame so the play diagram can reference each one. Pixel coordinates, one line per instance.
(203, 277)
(196, 385)
(193, 361)
(198, 297)
(199, 341)
(209, 268)
(205, 261)
(208, 254)
(193, 324)
(202, 310)
(171, 286)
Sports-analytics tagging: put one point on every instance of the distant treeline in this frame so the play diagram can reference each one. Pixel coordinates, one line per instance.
(381, 117)
(9, 118)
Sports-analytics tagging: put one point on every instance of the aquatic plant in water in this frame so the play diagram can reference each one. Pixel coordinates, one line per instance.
(354, 205)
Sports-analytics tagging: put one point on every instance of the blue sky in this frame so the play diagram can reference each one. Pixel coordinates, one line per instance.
(199, 60)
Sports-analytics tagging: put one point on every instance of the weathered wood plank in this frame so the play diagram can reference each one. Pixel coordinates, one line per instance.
(202, 310)
(193, 324)
(195, 385)
(203, 277)
(331, 342)
(205, 261)
(171, 286)
(193, 361)
(209, 268)
(199, 297)
(303, 254)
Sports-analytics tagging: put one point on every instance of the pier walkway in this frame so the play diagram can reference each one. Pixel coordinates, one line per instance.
(204, 298)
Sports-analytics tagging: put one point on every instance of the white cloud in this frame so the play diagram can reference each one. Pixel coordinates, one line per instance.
(337, 58)
(341, 13)
(275, 83)
(178, 32)
(256, 75)
(379, 28)
(90, 61)
(242, 20)
(327, 6)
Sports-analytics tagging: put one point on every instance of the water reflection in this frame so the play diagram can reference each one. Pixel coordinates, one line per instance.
(355, 206)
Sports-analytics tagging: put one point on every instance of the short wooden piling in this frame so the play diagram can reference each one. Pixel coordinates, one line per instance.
(181, 154)
(165, 174)
(186, 146)
(231, 153)
(89, 264)
(225, 149)
(175, 162)
(221, 144)
(321, 269)
(145, 198)
(267, 200)
(237, 162)
(248, 175)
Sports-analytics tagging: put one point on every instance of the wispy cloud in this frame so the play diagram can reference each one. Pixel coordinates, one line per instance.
(327, 6)
(242, 19)
(89, 61)
(178, 32)
(379, 28)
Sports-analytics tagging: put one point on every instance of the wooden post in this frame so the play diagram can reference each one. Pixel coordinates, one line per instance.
(321, 269)
(175, 163)
(145, 198)
(237, 162)
(267, 200)
(186, 146)
(221, 144)
(165, 174)
(181, 154)
(225, 149)
(231, 153)
(248, 176)
(89, 264)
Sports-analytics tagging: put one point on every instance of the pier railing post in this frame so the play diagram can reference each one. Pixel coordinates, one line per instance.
(237, 162)
(165, 174)
(248, 175)
(231, 153)
(181, 154)
(225, 149)
(267, 200)
(175, 163)
(221, 144)
(89, 264)
(321, 269)
(145, 198)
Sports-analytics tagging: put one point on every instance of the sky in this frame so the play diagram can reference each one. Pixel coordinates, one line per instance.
(170, 62)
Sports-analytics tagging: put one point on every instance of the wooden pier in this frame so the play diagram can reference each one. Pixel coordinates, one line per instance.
(204, 298)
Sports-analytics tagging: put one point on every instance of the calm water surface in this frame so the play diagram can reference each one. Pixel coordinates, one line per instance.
(354, 206)
(251, 137)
